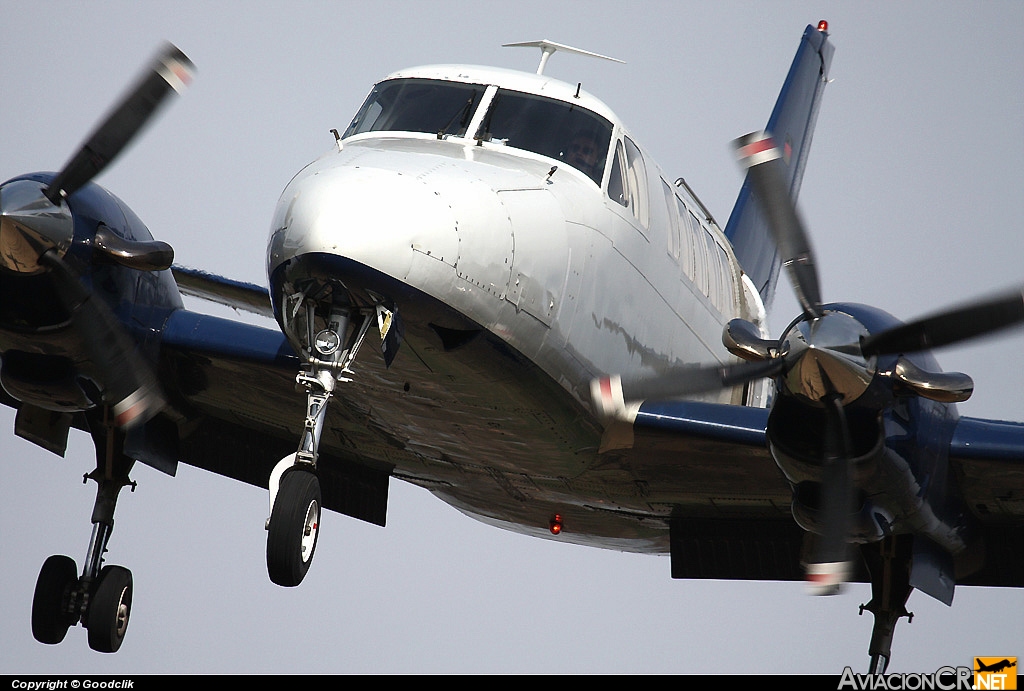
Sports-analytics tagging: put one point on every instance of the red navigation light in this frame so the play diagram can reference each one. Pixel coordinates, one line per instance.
(823, 25)
(555, 526)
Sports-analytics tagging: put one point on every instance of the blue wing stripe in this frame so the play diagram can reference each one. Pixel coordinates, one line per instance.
(731, 423)
(201, 333)
(993, 440)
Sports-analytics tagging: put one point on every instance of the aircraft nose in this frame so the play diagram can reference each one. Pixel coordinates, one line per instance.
(379, 218)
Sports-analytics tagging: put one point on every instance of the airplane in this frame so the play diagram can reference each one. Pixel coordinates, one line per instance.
(995, 666)
(498, 353)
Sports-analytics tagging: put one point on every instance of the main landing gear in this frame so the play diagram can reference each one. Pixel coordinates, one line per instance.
(295, 500)
(101, 598)
(889, 565)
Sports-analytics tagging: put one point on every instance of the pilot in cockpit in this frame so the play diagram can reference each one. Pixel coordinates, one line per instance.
(584, 154)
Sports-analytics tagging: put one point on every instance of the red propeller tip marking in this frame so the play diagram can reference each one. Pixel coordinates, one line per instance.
(760, 146)
(828, 578)
(182, 73)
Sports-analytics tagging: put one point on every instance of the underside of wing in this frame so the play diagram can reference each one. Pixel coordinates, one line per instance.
(987, 458)
(734, 519)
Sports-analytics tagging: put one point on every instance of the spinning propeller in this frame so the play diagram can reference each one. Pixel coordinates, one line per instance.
(37, 232)
(826, 359)
(171, 71)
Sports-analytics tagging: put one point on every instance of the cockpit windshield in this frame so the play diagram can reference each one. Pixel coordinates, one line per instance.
(418, 105)
(554, 128)
(550, 127)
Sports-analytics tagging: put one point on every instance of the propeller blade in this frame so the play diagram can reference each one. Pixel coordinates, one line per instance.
(610, 394)
(128, 384)
(952, 326)
(830, 566)
(685, 381)
(171, 71)
(762, 159)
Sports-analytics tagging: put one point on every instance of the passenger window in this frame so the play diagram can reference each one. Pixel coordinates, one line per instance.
(700, 255)
(673, 221)
(714, 291)
(725, 279)
(685, 238)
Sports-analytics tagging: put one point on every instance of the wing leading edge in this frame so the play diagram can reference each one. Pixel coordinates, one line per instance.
(224, 291)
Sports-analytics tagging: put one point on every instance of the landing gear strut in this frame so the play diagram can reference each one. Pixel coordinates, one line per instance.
(295, 500)
(889, 565)
(101, 598)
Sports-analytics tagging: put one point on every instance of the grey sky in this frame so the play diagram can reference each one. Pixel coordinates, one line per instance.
(912, 195)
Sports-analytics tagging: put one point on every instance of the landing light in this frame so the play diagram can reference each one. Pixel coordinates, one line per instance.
(555, 526)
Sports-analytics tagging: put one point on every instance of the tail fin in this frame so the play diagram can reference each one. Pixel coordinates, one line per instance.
(792, 126)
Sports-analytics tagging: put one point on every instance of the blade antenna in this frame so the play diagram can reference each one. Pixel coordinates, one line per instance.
(547, 48)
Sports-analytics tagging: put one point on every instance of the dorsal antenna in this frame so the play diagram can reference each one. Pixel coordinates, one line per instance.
(548, 47)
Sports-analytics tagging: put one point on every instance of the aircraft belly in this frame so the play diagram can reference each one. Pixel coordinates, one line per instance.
(486, 428)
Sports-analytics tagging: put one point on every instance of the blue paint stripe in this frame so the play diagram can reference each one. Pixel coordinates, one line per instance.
(201, 333)
(731, 423)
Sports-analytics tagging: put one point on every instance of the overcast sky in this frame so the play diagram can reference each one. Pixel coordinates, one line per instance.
(912, 195)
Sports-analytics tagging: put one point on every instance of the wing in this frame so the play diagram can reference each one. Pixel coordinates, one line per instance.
(735, 523)
(987, 458)
(225, 291)
(735, 520)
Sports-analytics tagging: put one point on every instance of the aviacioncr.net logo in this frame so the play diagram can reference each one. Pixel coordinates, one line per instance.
(943, 679)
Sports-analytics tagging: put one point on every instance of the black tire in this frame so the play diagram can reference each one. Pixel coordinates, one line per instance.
(50, 618)
(109, 609)
(294, 527)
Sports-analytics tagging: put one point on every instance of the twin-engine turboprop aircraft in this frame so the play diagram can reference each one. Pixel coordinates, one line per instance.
(550, 311)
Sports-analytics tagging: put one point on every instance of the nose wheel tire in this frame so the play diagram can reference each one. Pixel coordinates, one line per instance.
(50, 617)
(294, 526)
(109, 609)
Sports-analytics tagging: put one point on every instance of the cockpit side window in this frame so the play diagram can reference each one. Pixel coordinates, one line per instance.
(616, 181)
(552, 128)
(636, 181)
(418, 105)
(627, 183)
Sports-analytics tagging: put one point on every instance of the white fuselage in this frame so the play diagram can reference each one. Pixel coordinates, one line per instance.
(581, 273)
(577, 282)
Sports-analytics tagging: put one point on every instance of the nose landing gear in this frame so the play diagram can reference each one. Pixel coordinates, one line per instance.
(295, 499)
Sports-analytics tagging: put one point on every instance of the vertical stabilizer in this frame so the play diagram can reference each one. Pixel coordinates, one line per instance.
(792, 126)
